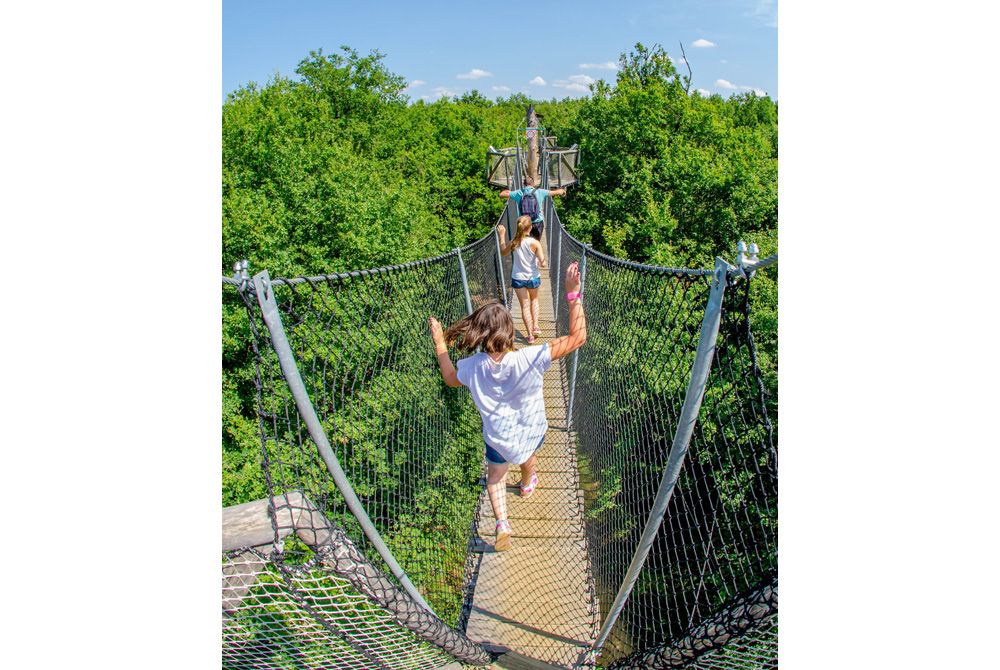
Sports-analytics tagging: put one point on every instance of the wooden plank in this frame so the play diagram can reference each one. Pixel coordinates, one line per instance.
(549, 477)
(511, 660)
(246, 525)
(568, 528)
(535, 602)
(554, 463)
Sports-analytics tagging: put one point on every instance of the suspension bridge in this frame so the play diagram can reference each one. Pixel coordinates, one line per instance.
(650, 542)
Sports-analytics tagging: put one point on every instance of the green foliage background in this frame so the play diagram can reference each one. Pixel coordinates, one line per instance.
(337, 170)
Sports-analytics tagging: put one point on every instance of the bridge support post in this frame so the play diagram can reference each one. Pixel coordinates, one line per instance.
(503, 284)
(465, 281)
(290, 371)
(551, 220)
(682, 437)
(555, 296)
(576, 354)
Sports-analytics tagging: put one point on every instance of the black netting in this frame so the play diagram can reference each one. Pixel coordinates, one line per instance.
(718, 538)
(410, 447)
(412, 450)
(482, 272)
(743, 633)
(407, 444)
(719, 535)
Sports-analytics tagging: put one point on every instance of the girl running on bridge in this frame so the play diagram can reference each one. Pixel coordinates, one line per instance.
(525, 277)
(506, 386)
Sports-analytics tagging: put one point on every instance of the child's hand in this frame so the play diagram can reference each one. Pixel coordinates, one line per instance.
(503, 231)
(437, 334)
(573, 278)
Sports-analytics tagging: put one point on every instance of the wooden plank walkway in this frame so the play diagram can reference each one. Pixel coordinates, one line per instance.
(537, 599)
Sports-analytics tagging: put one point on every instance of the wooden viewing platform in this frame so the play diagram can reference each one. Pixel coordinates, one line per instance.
(537, 599)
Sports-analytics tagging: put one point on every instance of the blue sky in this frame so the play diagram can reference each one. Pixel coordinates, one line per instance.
(550, 48)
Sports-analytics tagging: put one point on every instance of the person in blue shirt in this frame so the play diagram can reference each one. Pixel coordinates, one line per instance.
(538, 221)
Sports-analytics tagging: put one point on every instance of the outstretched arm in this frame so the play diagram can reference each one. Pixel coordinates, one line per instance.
(567, 344)
(505, 246)
(505, 193)
(557, 191)
(441, 349)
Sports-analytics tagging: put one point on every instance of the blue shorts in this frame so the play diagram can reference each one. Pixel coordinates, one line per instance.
(494, 457)
(526, 283)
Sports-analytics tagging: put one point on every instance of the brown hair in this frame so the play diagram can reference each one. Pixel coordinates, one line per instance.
(489, 326)
(523, 227)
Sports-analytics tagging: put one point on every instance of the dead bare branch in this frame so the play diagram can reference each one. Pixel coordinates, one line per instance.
(687, 89)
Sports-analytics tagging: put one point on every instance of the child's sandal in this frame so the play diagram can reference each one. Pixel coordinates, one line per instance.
(526, 491)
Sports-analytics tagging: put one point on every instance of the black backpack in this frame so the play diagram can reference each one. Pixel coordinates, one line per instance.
(529, 204)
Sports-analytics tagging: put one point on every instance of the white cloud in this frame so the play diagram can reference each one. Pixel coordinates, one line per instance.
(500, 89)
(766, 11)
(474, 73)
(723, 61)
(571, 86)
(415, 83)
(610, 65)
(537, 81)
(702, 42)
(703, 92)
(441, 91)
(722, 83)
(582, 79)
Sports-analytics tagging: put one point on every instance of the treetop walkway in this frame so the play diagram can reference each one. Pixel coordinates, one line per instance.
(651, 540)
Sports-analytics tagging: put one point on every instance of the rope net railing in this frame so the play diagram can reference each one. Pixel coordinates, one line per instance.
(757, 650)
(306, 616)
(718, 539)
(410, 447)
(318, 591)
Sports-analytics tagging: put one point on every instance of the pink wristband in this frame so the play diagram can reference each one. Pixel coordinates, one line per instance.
(574, 295)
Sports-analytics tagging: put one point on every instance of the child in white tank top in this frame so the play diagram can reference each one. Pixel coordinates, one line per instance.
(525, 277)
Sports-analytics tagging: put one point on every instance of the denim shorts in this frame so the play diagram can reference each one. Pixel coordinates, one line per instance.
(494, 457)
(526, 283)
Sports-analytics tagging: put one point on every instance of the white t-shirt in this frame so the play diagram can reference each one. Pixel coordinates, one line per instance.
(525, 265)
(509, 397)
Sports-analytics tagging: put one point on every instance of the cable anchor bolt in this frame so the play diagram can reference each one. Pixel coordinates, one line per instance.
(241, 272)
(746, 257)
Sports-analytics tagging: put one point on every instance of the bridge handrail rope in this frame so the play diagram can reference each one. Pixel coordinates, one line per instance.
(293, 514)
(289, 369)
(261, 293)
(678, 450)
(743, 616)
(490, 280)
(724, 274)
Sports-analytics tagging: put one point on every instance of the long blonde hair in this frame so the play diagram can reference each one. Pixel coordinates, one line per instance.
(523, 228)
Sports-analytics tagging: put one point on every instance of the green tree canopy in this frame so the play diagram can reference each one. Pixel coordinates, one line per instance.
(668, 177)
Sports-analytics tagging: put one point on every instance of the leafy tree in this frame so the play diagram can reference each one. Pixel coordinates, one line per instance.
(338, 170)
(671, 178)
